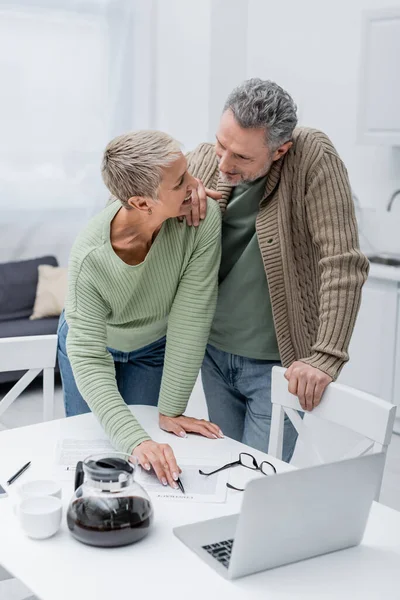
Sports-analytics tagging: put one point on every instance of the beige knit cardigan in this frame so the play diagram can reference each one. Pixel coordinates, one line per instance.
(307, 233)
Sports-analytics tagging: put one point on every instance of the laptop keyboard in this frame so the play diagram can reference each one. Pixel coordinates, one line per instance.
(221, 551)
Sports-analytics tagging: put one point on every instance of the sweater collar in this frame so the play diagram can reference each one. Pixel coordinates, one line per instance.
(273, 177)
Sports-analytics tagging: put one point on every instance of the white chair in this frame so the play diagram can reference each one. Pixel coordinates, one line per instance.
(362, 413)
(34, 354)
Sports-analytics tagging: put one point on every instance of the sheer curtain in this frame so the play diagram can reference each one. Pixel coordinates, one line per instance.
(67, 89)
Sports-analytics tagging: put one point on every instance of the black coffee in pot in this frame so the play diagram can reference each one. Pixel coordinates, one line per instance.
(109, 521)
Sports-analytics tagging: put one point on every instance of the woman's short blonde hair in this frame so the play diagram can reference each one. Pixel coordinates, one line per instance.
(132, 163)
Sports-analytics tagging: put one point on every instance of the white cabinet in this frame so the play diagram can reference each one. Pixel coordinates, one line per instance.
(396, 384)
(379, 113)
(373, 357)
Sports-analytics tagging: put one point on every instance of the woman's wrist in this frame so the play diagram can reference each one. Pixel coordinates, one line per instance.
(140, 441)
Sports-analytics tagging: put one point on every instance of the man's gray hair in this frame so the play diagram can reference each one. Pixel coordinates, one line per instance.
(132, 163)
(257, 103)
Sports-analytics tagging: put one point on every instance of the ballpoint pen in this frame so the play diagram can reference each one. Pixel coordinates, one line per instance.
(179, 482)
(18, 473)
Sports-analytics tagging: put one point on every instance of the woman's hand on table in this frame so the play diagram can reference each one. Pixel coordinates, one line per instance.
(182, 425)
(161, 457)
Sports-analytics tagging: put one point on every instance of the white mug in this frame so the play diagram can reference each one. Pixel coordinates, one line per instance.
(40, 516)
(35, 488)
(39, 487)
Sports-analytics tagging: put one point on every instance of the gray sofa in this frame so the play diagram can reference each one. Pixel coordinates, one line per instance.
(18, 282)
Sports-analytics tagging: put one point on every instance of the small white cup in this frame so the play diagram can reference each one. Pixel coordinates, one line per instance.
(39, 487)
(36, 488)
(40, 517)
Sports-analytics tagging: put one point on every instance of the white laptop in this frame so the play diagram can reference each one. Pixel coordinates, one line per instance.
(290, 516)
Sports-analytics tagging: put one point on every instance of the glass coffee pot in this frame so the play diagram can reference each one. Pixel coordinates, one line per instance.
(108, 508)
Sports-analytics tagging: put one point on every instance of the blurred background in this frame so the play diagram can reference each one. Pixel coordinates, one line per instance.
(75, 73)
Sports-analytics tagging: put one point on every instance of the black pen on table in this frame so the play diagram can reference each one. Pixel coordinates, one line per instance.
(18, 473)
(179, 482)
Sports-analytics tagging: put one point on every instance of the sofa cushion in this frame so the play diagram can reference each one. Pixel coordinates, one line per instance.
(51, 292)
(18, 282)
(20, 327)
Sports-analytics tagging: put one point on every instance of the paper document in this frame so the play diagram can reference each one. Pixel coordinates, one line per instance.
(198, 488)
(69, 451)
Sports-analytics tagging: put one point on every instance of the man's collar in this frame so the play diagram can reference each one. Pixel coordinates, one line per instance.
(273, 177)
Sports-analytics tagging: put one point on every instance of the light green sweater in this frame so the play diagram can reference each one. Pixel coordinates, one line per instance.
(109, 303)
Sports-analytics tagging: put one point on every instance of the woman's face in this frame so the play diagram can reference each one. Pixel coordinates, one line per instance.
(174, 194)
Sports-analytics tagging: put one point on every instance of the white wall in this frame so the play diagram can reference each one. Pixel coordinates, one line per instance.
(193, 73)
(182, 61)
(228, 54)
(312, 49)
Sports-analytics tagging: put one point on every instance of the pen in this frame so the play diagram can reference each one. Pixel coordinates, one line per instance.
(18, 473)
(179, 482)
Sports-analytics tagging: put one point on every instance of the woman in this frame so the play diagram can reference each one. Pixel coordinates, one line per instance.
(141, 297)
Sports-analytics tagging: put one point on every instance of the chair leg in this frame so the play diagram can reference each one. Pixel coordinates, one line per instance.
(379, 448)
(48, 394)
(275, 446)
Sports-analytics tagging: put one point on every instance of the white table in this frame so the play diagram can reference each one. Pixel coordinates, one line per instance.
(160, 566)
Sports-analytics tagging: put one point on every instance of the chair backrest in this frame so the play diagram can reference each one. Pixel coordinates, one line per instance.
(28, 352)
(34, 354)
(353, 409)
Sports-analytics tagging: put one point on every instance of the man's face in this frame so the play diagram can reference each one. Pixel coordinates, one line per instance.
(243, 155)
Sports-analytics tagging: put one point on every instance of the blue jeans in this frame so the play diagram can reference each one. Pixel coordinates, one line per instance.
(138, 374)
(238, 394)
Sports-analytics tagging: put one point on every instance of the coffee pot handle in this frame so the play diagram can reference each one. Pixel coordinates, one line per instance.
(79, 475)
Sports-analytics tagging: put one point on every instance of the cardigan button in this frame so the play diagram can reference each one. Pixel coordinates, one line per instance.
(270, 240)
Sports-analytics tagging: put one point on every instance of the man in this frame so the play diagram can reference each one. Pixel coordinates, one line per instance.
(291, 271)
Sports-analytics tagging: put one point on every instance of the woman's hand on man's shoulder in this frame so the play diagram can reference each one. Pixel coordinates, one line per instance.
(199, 203)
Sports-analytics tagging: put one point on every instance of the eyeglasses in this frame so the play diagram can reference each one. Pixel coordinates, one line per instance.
(248, 461)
